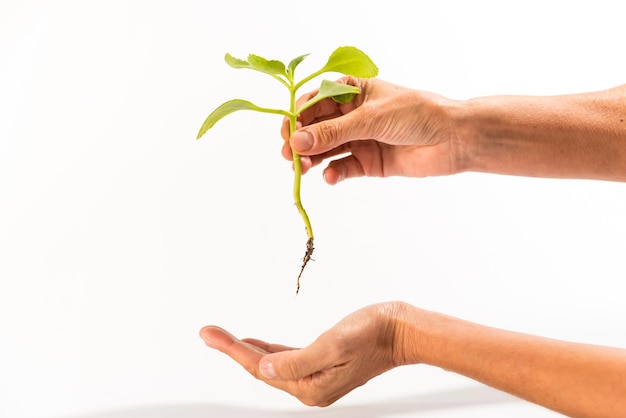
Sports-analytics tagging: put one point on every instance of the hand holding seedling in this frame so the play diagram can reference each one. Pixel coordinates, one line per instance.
(345, 60)
(387, 130)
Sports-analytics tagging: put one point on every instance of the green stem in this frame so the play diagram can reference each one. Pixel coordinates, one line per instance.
(307, 79)
(297, 168)
(282, 80)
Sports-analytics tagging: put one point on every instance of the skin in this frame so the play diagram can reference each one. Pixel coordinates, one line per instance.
(389, 130)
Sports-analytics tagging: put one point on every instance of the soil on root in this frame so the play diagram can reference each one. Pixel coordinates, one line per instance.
(305, 260)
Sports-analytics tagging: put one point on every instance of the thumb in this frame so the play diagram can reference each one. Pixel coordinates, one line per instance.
(323, 136)
(294, 364)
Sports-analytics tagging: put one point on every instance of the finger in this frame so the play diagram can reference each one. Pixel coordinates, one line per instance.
(216, 337)
(296, 364)
(286, 151)
(323, 136)
(332, 176)
(327, 108)
(319, 158)
(247, 355)
(305, 98)
(268, 347)
(284, 129)
(322, 110)
(305, 163)
(342, 169)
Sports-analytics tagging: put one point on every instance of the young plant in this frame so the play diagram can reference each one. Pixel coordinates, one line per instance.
(345, 60)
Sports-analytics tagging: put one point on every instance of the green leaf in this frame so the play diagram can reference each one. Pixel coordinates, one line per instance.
(352, 61)
(294, 63)
(236, 62)
(257, 63)
(344, 98)
(231, 106)
(339, 92)
(273, 67)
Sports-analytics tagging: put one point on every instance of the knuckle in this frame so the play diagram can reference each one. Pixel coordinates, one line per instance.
(292, 370)
(328, 132)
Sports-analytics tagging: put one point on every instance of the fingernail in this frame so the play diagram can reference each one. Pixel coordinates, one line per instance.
(207, 340)
(267, 370)
(301, 141)
(326, 177)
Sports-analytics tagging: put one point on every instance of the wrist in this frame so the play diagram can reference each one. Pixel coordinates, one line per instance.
(413, 329)
(463, 134)
(427, 337)
(499, 135)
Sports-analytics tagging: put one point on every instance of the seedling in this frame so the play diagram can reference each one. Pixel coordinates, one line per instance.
(345, 60)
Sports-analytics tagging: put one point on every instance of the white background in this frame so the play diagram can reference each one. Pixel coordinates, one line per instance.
(121, 235)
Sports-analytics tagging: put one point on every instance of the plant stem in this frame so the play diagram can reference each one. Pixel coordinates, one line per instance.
(297, 168)
(307, 79)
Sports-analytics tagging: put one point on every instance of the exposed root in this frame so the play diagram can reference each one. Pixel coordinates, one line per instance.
(305, 260)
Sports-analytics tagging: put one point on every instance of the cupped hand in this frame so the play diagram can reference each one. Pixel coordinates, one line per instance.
(352, 352)
(386, 130)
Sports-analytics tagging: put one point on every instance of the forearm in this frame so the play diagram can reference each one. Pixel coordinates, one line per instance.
(575, 379)
(569, 136)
